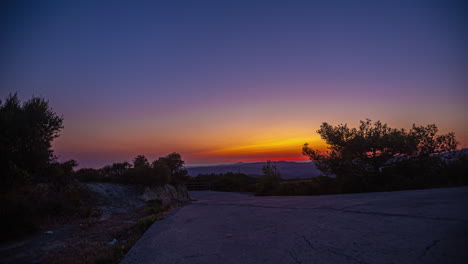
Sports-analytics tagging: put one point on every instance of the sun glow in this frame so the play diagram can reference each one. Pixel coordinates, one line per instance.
(281, 146)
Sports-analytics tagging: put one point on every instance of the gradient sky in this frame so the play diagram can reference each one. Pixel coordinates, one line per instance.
(225, 81)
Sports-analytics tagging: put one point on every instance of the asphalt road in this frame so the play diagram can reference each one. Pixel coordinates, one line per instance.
(422, 226)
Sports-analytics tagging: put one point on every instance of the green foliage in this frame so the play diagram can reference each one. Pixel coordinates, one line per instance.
(156, 206)
(175, 165)
(227, 182)
(269, 182)
(357, 156)
(26, 133)
(115, 171)
(165, 170)
(140, 161)
(34, 186)
(375, 157)
(89, 175)
(26, 206)
(455, 170)
(270, 171)
(426, 173)
(408, 174)
(144, 223)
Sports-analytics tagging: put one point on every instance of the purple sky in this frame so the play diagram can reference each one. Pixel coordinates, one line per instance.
(222, 81)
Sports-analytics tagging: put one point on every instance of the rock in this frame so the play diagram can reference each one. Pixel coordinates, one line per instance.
(168, 194)
(115, 198)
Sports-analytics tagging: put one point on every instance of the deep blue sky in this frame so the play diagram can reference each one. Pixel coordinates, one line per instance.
(232, 80)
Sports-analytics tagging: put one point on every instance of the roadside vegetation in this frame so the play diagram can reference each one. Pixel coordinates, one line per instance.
(226, 182)
(38, 191)
(165, 170)
(35, 187)
(92, 240)
(270, 182)
(375, 157)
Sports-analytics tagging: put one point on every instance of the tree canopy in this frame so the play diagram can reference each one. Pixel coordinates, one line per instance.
(270, 171)
(371, 146)
(140, 161)
(27, 132)
(34, 185)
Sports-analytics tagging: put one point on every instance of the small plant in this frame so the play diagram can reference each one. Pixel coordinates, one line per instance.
(156, 206)
(144, 223)
(269, 183)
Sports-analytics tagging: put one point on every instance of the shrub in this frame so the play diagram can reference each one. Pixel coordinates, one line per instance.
(165, 170)
(269, 182)
(227, 182)
(144, 223)
(34, 186)
(156, 206)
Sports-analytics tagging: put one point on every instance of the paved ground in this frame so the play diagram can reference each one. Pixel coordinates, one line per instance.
(423, 226)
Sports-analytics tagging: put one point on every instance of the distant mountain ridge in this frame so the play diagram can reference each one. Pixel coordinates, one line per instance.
(288, 169)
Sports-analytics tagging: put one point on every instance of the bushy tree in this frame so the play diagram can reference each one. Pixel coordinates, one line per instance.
(269, 182)
(26, 133)
(116, 170)
(34, 185)
(227, 182)
(175, 165)
(140, 161)
(270, 171)
(89, 175)
(363, 152)
(164, 170)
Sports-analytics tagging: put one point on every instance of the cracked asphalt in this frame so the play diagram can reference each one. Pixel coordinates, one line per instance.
(421, 226)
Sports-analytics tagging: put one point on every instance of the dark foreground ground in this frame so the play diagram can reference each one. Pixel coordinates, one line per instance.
(422, 226)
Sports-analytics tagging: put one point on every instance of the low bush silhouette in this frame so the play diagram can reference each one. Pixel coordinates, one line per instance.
(269, 182)
(165, 170)
(34, 185)
(227, 182)
(375, 157)
(156, 206)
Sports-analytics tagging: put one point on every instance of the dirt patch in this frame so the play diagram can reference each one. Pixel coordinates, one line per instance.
(121, 218)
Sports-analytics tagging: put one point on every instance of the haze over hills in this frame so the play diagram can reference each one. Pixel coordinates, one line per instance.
(288, 169)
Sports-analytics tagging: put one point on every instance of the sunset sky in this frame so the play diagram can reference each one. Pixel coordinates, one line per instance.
(228, 81)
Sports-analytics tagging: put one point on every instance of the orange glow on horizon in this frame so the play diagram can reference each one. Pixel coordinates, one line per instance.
(280, 149)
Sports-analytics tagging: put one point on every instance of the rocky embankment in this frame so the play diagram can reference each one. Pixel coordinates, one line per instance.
(120, 198)
(122, 213)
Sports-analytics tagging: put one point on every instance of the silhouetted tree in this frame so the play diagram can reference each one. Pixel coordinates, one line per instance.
(89, 175)
(140, 161)
(60, 173)
(174, 163)
(116, 169)
(269, 182)
(26, 133)
(162, 171)
(357, 153)
(270, 171)
(34, 185)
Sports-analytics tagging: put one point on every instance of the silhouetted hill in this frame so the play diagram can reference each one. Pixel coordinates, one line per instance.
(288, 169)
